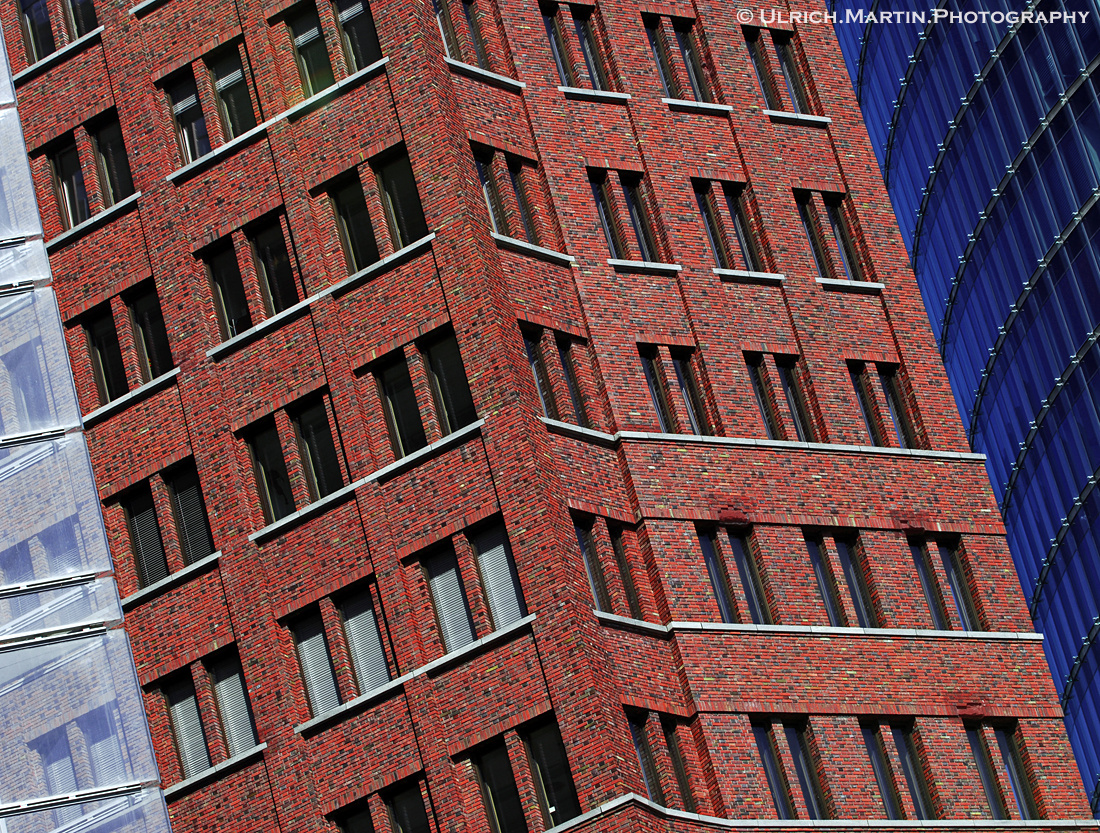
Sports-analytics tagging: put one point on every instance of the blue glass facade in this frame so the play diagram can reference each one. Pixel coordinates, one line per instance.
(75, 751)
(987, 128)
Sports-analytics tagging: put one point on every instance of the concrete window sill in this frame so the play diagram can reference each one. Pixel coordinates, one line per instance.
(744, 276)
(605, 96)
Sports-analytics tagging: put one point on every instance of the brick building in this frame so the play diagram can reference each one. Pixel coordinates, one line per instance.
(510, 416)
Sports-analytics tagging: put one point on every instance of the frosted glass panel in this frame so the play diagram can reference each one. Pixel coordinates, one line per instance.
(18, 211)
(52, 523)
(36, 387)
(61, 607)
(7, 91)
(27, 262)
(141, 813)
(67, 711)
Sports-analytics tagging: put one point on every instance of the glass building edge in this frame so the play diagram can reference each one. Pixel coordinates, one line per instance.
(1024, 282)
(62, 650)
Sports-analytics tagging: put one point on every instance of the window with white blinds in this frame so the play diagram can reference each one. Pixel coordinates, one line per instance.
(183, 710)
(60, 773)
(145, 540)
(365, 642)
(101, 736)
(498, 572)
(192, 523)
(451, 606)
(316, 663)
(233, 708)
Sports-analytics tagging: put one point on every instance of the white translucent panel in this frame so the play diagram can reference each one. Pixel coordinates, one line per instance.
(36, 386)
(51, 523)
(25, 262)
(71, 718)
(7, 90)
(143, 812)
(86, 603)
(18, 209)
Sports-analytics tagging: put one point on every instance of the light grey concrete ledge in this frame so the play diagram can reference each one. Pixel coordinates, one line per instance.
(128, 399)
(784, 117)
(55, 58)
(644, 267)
(745, 276)
(540, 252)
(686, 105)
(856, 287)
(584, 94)
(167, 583)
(479, 74)
(92, 223)
(195, 781)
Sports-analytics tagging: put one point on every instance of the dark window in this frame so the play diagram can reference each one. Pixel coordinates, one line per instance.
(269, 465)
(679, 767)
(368, 655)
(755, 39)
(310, 53)
(228, 289)
(359, 34)
(796, 401)
(928, 585)
(704, 198)
(115, 180)
(37, 33)
(565, 354)
(691, 395)
(81, 17)
(452, 610)
(446, 29)
(597, 581)
(773, 770)
(601, 195)
(751, 582)
(659, 47)
(905, 741)
(1017, 774)
(845, 248)
(192, 523)
(873, 742)
(491, 194)
(985, 772)
(533, 346)
(404, 214)
(234, 101)
(639, 221)
(191, 133)
(316, 663)
(354, 226)
(523, 203)
(552, 23)
(866, 403)
(150, 336)
(658, 392)
(618, 546)
(498, 790)
(812, 229)
(319, 457)
(499, 576)
(553, 780)
(453, 404)
(746, 243)
(183, 711)
(693, 64)
(788, 72)
(824, 582)
(107, 366)
(356, 821)
(233, 707)
(808, 781)
(857, 584)
(719, 580)
(145, 539)
(646, 760)
(273, 266)
(72, 195)
(470, 14)
(399, 402)
(407, 811)
(760, 391)
(960, 591)
(888, 378)
(590, 48)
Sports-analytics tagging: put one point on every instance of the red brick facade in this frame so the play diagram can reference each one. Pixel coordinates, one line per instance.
(659, 652)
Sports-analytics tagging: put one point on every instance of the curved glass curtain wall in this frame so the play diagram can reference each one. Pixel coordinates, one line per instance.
(988, 134)
(75, 751)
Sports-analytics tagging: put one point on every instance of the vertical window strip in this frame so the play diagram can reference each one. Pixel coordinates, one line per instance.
(590, 50)
(316, 664)
(960, 593)
(845, 250)
(657, 392)
(145, 538)
(873, 742)
(894, 402)
(553, 780)
(1017, 774)
(773, 771)
(760, 391)
(183, 712)
(705, 200)
(498, 790)
(192, 522)
(500, 577)
(565, 354)
(597, 582)
(401, 410)
(928, 586)
(452, 609)
(691, 395)
(985, 772)
(719, 581)
(857, 584)
(552, 23)
(646, 761)
(233, 706)
(859, 385)
(751, 582)
(915, 782)
(659, 49)
(639, 220)
(824, 582)
(604, 211)
(535, 359)
(792, 392)
(368, 656)
(679, 767)
(318, 451)
(693, 64)
(618, 546)
(491, 195)
(746, 244)
(808, 780)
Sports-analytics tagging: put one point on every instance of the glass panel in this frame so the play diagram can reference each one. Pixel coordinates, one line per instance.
(498, 791)
(64, 607)
(553, 780)
(18, 210)
(143, 812)
(360, 36)
(79, 689)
